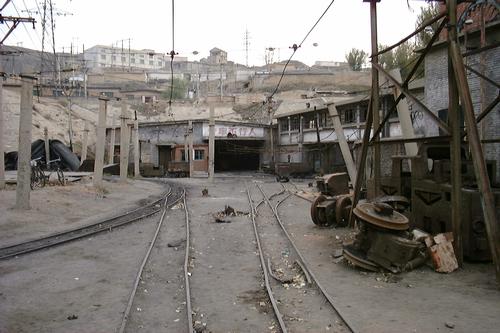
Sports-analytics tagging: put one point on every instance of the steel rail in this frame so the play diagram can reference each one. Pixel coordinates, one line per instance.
(74, 234)
(189, 310)
(269, 290)
(126, 314)
(305, 264)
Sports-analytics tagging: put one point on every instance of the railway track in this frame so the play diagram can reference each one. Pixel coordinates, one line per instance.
(74, 234)
(178, 195)
(296, 295)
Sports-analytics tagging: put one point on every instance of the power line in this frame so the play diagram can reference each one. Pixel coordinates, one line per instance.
(295, 47)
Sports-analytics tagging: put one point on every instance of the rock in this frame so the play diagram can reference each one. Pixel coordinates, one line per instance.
(72, 317)
(176, 243)
(449, 325)
(204, 192)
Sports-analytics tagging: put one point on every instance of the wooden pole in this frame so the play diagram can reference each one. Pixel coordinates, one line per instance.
(211, 145)
(85, 142)
(455, 146)
(101, 137)
(124, 143)
(190, 152)
(2, 144)
(112, 140)
(24, 157)
(375, 94)
(483, 181)
(137, 150)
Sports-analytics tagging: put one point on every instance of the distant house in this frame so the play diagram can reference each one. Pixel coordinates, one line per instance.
(217, 56)
(101, 56)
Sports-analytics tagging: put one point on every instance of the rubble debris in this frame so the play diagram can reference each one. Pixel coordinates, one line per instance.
(441, 252)
(204, 192)
(449, 325)
(72, 317)
(281, 278)
(228, 211)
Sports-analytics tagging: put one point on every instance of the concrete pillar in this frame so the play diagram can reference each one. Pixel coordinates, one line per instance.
(101, 137)
(24, 155)
(85, 142)
(190, 152)
(186, 150)
(2, 149)
(211, 145)
(112, 136)
(47, 146)
(124, 143)
(137, 150)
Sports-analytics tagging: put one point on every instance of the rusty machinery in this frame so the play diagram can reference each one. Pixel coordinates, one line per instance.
(428, 187)
(383, 240)
(332, 207)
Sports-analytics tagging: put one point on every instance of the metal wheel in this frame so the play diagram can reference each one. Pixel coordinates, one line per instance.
(342, 209)
(318, 217)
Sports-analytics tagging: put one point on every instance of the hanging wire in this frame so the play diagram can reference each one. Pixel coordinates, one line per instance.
(295, 47)
(172, 55)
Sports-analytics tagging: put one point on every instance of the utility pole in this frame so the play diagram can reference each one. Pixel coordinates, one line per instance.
(85, 142)
(375, 95)
(190, 152)
(455, 146)
(221, 87)
(247, 44)
(211, 144)
(24, 157)
(112, 139)
(137, 149)
(101, 137)
(124, 143)
(2, 158)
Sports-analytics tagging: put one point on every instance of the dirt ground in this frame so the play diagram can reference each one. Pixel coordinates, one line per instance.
(84, 286)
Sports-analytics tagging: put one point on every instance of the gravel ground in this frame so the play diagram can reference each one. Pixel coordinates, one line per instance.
(92, 278)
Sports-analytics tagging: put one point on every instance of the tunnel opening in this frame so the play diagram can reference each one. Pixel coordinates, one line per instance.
(237, 155)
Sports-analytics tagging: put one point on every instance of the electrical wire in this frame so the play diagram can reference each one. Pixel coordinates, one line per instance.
(295, 47)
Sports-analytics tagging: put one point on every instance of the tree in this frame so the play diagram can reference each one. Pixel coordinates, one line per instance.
(426, 13)
(401, 57)
(179, 89)
(356, 59)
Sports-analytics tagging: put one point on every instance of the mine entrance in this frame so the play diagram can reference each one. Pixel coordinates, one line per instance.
(164, 155)
(237, 155)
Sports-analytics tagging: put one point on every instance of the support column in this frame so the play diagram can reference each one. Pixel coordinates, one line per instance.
(190, 152)
(124, 143)
(112, 140)
(455, 146)
(85, 142)
(47, 146)
(100, 142)
(375, 95)
(211, 145)
(24, 157)
(137, 150)
(2, 139)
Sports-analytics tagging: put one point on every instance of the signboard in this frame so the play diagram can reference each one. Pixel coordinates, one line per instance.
(227, 131)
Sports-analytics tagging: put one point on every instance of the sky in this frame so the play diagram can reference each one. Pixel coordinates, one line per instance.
(200, 25)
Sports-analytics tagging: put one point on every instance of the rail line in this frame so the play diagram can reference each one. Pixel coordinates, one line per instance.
(310, 276)
(172, 198)
(74, 234)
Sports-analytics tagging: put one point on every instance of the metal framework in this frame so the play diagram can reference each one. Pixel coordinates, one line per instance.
(458, 90)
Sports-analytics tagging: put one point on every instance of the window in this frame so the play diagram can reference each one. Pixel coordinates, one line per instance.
(108, 94)
(141, 61)
(123, 59)
(132, 60)
(103, 57)
(130, 97)
(294, 123)
(284, 124)
(348, 116)
(160, 63)
(183, 155)
(151, 62)
(199, 154)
